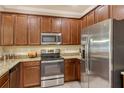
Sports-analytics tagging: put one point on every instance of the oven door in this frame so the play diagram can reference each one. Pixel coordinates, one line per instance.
(50, 38)
(52, 69)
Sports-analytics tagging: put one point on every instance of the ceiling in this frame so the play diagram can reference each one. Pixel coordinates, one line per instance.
(73, 11)
(68, 8)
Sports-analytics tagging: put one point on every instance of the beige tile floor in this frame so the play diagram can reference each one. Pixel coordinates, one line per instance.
(74, 84)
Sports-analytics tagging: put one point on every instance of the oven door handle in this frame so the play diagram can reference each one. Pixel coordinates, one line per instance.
(53, 61)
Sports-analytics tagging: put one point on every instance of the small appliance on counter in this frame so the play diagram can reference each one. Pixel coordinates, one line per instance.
(52, 68)
(32, 54)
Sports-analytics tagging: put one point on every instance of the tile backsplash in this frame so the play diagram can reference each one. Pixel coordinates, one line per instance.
(23, 50)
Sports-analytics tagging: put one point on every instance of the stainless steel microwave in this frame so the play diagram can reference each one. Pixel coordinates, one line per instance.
(51, 38)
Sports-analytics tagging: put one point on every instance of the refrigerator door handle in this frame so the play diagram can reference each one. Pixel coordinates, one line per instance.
(88, 56)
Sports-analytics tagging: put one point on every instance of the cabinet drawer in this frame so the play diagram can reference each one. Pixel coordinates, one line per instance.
(4, 78)
(31, 63)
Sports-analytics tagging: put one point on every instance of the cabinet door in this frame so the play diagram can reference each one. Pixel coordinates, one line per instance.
(46, 24)
(4, 80)
(101, 13)
(27, 70)
(0, 27)
(56, 25)
(90, 18)
(7, 28)
(78, 72)
(122, 79)
(31, 76)
(14, 77)
(74, 31)
(6, 84)
(83, 22)
(79, 32)
(69, 70)
(117, 12)
(66, 31)
(33, 30)
(21, 30)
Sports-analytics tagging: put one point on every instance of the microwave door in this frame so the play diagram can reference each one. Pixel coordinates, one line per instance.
(50, 38)
(46, 39)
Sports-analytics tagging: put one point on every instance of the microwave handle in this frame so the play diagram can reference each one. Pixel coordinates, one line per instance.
(59, 39)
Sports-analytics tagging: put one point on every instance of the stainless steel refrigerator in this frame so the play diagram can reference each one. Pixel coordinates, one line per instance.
(102, 50)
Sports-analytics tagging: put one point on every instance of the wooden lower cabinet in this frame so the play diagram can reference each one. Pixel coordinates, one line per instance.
(4, 80)
(72, 70)
(14, 77)
(30, 74)
(122, 79)
(78, 69)
(6, 84)
(69, 70)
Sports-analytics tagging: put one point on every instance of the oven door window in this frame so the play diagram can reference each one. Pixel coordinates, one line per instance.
(50, 69)
(48, 38)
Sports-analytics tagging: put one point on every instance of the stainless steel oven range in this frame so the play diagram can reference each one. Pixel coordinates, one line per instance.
(52, 68)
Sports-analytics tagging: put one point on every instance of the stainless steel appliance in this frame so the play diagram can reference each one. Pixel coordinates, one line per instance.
(102, 54)
(51, 38)
(52, 68)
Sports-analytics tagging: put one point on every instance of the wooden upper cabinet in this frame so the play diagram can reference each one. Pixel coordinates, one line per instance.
(21, 30)
(56, 24)
(90, 18)
(101, 13)
(117, 12)
(74, 31)
(46, 24)
(79, 32)
(83, 22)
(33, 30)
(7, 29)
(66, 39)
(50, 24)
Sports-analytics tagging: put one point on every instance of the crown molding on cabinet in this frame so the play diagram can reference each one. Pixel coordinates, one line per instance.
(88, 10)
(43, 11)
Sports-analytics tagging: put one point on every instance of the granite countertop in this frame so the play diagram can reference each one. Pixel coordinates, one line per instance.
(7, 65)
(71, 55)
